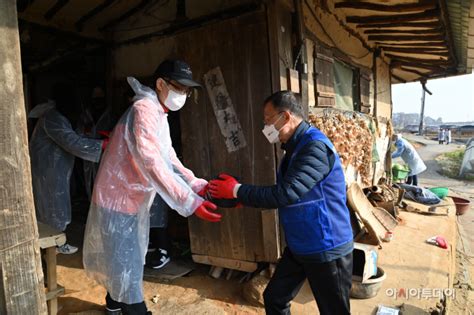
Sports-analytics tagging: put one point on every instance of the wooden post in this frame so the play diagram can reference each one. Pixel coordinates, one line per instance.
(422, 114)
(20, 263)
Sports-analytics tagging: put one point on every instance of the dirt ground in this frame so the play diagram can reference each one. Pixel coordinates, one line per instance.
(408, 261)
(464, 279)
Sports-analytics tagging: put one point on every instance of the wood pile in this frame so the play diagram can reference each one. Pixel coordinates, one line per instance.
(352, 139)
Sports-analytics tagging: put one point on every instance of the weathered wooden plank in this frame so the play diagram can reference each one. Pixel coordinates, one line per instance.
(402, 7)
(401, 24)
(324, 77)
(55, 9)
(247, 266)
(270, 233)
(420, 60)
(54, 294)
(440, 43)
(414, 50)
(52, 279)
(375, 19)
(239, 46)
(406, 38)
(50, 237)
(311, 78)
(405, 31)
(20, 262)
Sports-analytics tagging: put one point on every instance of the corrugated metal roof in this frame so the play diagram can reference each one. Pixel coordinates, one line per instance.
(461, 18)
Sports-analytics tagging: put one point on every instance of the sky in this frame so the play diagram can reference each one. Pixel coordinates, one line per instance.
(452, 98)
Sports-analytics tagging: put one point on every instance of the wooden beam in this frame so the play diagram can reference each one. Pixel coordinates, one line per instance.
(52, 30)
(55, 9)
(447, 25)
(398, 63)
(436, 31)
(22, 5)
(192, 23)
(421, 74)
(401, 24)
(247, 266)
(420, 60)
(433, 53)
(406, 38)
(21, 275)
(404, 7)
(399, 78)
(413, 49)
(125, 16)
(80, 23)
(372, 19)
(441, 43)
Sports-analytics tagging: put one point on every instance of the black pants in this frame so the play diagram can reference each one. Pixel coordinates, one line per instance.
(412, 180)
(330, 283)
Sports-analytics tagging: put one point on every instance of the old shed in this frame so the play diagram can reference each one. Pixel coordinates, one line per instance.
(341, 57)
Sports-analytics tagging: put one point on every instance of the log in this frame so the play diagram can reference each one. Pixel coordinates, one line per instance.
(372, 19)
(404, 7)
(22, 286)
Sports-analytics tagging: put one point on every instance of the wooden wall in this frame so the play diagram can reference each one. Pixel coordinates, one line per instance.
(240, 48)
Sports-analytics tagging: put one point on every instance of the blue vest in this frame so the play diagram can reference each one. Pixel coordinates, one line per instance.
(320, 220)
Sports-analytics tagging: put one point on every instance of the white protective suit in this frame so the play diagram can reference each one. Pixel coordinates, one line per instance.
(53, 148)
(138, 163)
(409, 155)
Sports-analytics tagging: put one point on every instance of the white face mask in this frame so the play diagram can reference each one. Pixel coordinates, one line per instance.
(271, 133)
(175, 101)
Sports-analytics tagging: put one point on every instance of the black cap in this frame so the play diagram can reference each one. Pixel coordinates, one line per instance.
(178, 71)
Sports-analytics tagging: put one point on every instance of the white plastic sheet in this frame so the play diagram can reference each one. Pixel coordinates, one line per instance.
(138, 163)
(53, 147)
(467, 166)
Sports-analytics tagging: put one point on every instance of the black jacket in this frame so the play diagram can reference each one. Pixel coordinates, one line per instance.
(310, 165)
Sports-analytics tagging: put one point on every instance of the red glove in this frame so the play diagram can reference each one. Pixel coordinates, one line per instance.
(105, 143)
(203, 212)
(104, 133)
(223, 188)
(203, 191)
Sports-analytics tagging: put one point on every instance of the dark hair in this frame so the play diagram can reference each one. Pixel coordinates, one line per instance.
(285, 100)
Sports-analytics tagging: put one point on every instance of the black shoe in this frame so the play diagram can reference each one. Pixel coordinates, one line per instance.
(112, 307)
(158, 259)
(118, 308)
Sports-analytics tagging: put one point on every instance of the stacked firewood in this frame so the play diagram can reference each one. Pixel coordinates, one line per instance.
(352, 139)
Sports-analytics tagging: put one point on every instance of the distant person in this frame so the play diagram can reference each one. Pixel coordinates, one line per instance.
(441, 136)
(448, 136)
(407, 152)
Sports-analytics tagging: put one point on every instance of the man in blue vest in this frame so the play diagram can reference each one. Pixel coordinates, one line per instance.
(310, 195)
